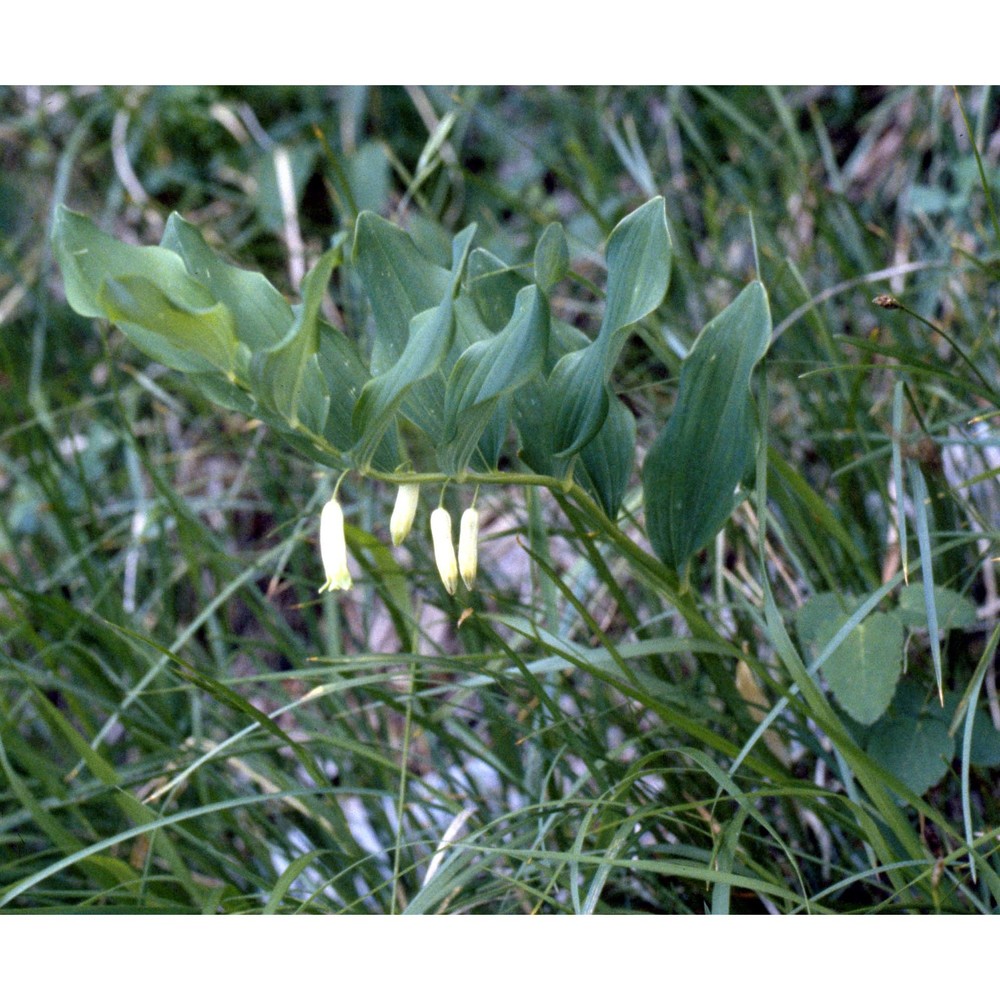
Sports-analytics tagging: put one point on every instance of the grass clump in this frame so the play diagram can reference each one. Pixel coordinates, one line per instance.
(801, 718)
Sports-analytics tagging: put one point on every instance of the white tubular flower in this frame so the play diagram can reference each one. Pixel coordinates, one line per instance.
(468, 540)
(444, 549)
(333, 548)
(403, 513)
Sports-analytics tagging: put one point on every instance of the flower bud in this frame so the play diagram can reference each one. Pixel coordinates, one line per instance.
(444, 549)
(333, 548)
(403, 513)
(468, 540)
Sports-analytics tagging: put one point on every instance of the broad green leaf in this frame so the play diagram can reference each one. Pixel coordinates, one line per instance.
(606, 462)
(493, 286)
(345, 373)
(911, 740)
(917, 750)
(694, 467)
(864, 669)
(492, 368)
(221, 392)
(430, 337)
(985, 751)
(166, 312)
(815, 614)
(400, 283)
(502, 363)
(486, 456)
(186, 330)
(370, 177)
(577, 399)
(639, 255)
(87, 257)
(287, 376)
(530, 417)
(954, 610)
(260, 312)
(551, 257)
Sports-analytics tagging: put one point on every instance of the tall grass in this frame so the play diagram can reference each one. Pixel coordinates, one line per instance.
(186, 726)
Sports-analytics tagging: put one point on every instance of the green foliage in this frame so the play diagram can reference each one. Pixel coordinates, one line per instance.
(953, 610)
(863, 671)
(489, 371)
(577, 397)
(697, 462)
(912, 741)
(429, 338)
(149, 293)
(476, 290)
(435, 358)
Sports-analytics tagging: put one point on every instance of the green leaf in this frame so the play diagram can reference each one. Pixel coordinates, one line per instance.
(430, 337)
(606, 462)
(577, 399)
(916, 750)
(400, 283)
(864, 669)
(221, 392)
(912, 740)
(529, 403)
(492, 368)
(287, 376)
(551, 257)
(815, 614)
(260, 312)
(148, 292)
(920, 507)
(493, 286)
(87, 257)
(697, 462)
(345, 373)
(370, 177)
(954, 610)
(639, 255)
(486, 456)
(184, 329)
(985, 750)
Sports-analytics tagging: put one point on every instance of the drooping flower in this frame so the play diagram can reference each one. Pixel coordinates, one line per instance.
(444, 548)
(468, 540)
(403, 512)
(333, 548)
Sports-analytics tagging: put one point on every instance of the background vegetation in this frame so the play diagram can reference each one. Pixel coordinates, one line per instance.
(185, 726)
